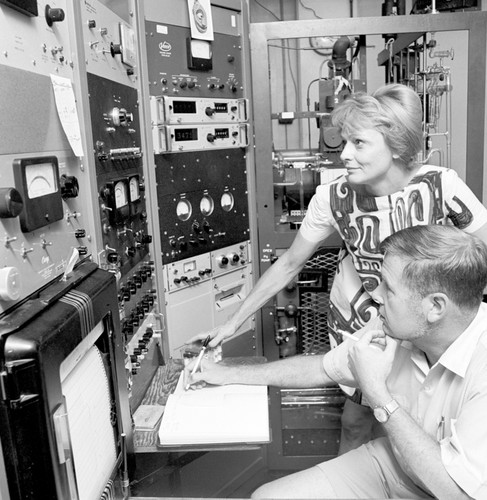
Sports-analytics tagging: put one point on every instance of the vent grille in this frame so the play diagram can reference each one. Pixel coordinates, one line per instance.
(314, 305)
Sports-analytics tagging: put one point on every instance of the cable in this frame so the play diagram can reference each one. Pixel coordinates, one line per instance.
(268, 10)
(310, 9)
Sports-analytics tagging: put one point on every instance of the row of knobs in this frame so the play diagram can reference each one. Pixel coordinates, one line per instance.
(134, 283)
(141, 349)
(222, 261)
(137, 315)
(192, 84)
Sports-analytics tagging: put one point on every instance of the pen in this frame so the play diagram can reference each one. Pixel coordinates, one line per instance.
(200, 357)
(440, 434)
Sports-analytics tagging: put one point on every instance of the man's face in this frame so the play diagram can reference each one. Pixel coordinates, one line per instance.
(400, 310)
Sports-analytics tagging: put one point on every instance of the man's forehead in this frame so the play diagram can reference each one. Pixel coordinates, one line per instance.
(392, 266)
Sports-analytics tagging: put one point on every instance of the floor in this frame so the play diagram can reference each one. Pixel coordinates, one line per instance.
(156, 478)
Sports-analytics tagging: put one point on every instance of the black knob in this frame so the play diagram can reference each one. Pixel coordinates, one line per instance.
(209, 111)
(53, 15)
(115, 48)
(291, 310)
(11, 203)
(91, 24)
(210, 138)
(69, 186)
(112, 257)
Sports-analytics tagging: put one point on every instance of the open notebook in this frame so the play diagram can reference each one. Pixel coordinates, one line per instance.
(230, 414)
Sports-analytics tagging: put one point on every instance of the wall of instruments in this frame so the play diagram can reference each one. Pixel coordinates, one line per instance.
(127, 146)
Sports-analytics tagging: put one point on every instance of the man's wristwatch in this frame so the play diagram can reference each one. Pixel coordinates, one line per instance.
(382, 413)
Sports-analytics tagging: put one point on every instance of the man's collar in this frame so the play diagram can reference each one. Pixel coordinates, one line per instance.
(457, 357)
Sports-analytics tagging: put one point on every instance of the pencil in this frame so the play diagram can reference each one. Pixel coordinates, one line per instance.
(199, 358)
(348, 335)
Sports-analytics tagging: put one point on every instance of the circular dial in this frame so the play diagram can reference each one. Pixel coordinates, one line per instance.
(227, 201)
(207, 205)
(40, 179)
(120, 194)
(183, 209)
(134, 189)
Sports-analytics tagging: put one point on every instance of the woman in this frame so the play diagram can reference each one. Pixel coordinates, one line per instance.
(384, 189)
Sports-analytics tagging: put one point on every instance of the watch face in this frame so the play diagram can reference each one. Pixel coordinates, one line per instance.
(381, 415)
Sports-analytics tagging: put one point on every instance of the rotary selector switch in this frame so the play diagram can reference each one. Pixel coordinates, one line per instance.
(53, 15)
(222, 260)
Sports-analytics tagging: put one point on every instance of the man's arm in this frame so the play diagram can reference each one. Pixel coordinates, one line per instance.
(420, 456)
(417, 452)
(296, 372)
(271, 282)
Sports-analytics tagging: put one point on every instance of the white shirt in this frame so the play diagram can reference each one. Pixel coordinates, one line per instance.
(453, 391)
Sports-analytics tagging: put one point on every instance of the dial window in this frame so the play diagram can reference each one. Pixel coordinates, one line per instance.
(120, 194)
(40, 179)
(183, 209)
(227, 201)
(134, 189)
(207, 205)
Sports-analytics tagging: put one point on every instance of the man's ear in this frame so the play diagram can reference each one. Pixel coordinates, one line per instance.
(435, 306)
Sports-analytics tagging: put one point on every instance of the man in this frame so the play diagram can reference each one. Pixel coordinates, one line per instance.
(428, 385)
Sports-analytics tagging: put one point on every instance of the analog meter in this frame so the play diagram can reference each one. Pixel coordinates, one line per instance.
(121, 198)
(206, 204)
(37, 180)
(134, 189)
(183, 209)
(115, 197)
(227, 201)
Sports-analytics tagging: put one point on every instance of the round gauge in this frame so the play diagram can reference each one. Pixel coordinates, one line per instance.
(183, 209)
(134, 189)
(227, 201)
(40, 179)
(206, 205)
(120, 194)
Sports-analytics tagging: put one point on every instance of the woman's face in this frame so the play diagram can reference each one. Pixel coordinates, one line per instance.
(369, 161)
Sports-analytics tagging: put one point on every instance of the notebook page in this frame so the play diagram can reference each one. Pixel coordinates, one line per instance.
(215, 415)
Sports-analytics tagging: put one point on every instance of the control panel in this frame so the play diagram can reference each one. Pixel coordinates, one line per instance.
(118, 157)
(181, 110)
(212, 286)
(172, 138)
(202, 198)
(46, 217)
(173, 70)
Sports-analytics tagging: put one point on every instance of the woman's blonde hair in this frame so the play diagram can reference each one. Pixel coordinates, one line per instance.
(394, 110)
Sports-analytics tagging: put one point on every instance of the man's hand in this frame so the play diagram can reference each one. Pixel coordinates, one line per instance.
(209, 373)
(217, 335)
(370, 360)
